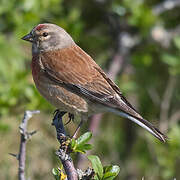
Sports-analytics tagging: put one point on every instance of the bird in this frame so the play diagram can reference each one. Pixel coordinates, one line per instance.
(67, 77)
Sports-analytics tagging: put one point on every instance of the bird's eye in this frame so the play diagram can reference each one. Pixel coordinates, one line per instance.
(45, 34)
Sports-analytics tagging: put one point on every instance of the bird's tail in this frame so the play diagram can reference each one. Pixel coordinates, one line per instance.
(145, 124)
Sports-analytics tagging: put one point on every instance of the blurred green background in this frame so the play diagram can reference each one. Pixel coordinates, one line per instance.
(137, 42)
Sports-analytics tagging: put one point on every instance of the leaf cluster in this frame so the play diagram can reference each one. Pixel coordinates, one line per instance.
(101, 173)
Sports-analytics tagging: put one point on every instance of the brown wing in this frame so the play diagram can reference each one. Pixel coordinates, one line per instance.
(78, 72)
(74, 66)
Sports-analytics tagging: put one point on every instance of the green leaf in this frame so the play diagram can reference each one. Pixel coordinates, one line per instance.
(96, 177)
(111, 172)
(84, 138)
(56, 173)
(80, 145)
(109, 176)
(82, 148)
(73, 143)
(87, 146)
(96, 164)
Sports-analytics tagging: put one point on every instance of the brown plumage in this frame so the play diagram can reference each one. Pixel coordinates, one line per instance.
(71, 80)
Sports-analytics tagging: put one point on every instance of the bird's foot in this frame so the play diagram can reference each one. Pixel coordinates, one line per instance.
(71, 118)
(63, 139)
(57, 122)
(59, 113)
(62, 113)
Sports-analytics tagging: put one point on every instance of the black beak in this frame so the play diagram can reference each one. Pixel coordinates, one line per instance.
(28, 37)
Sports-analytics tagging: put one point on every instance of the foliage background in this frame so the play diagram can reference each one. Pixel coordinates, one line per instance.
(143, 36)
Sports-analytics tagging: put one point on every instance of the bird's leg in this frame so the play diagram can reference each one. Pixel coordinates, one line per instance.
(62, 113)
(63, 139)
(57, 120)
(77, 129)
(59, 114)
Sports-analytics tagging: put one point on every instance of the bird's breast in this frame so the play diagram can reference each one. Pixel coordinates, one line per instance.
(55, 94)
(36, 69)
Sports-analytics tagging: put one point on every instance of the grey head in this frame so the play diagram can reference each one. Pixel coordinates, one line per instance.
(47, 37)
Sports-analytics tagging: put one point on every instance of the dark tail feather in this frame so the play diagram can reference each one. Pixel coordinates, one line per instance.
(146, 125)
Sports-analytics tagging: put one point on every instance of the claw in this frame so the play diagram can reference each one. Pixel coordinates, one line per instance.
(71, 118)
(58, 114)
(55, 112)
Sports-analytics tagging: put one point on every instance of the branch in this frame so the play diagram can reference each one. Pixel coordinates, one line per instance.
(25, 135)
(63, 153)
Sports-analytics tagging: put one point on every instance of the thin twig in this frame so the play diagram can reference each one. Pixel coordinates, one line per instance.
(62, 152)
(25, 135)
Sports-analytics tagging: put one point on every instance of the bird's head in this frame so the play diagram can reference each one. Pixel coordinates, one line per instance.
(46, 37)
